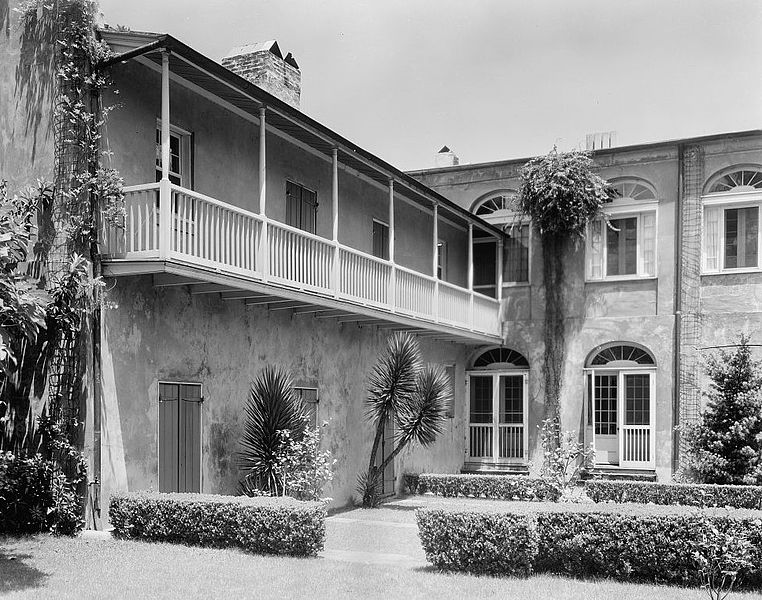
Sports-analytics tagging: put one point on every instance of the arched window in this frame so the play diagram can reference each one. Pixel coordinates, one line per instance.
(497, 430)
(496, 205)
(625, 246)
(620, 390)
(500, 358)
(731, 235)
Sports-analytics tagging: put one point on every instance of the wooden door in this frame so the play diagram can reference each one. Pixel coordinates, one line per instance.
(606, 418)
(384, 451)
(180, 437)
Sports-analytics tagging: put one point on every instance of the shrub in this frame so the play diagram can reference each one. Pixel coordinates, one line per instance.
(721, 557)
(35, 497)
(564, 458)
(301, 466)
(624, 542)
(688, 494)
(262, 525)
(493, 543)
(502, 487)
(725, 446)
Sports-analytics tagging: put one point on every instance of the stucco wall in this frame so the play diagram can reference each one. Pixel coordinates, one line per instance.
(170, 335)
(225, 159)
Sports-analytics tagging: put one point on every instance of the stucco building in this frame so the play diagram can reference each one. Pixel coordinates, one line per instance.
(255, 235)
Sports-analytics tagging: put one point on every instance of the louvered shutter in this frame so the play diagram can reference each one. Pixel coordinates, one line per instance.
(712, 238)
(595, 250)
(648, 243)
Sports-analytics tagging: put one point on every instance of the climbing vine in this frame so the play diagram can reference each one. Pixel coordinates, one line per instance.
(85, 195)
(561, 194)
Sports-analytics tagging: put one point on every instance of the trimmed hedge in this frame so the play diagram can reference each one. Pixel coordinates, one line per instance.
(499, 487)
(493, 543)
(262, 525)
(625, 542)
(688, 494)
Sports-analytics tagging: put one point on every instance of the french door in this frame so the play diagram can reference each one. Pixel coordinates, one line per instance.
(623, 417)
(497, 429)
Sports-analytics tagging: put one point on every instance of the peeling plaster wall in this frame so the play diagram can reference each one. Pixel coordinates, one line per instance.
(167, 334)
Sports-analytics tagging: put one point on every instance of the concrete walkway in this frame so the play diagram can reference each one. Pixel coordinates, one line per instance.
(383, 536)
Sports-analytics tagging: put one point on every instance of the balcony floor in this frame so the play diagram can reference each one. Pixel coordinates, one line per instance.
(276, 297)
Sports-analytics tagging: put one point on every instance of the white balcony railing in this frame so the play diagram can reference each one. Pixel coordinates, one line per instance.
(205, 232)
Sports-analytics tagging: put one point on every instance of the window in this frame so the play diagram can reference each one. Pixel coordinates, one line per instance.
(301, 207)
(179, 156)
(180, 437)
(485, 267)
(731, 221)
(380, 240)
(441, 260)
(623, 244)
(516, 254)
(309, 398)
(497, 207)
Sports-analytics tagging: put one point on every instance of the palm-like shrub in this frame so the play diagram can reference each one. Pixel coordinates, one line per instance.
(272, 407)
(413, 395)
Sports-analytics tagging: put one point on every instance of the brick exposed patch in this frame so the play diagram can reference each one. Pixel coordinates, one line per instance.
(270, 72)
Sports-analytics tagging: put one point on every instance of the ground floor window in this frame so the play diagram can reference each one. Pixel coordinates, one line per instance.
(180, 437)
(620, 390)
(497, 430)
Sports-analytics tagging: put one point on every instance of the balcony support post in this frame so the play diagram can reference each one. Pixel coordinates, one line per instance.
(393, 274)
(165, 189)
(499, 290)
(435, 261)
(336, 272)
(471, 275)
(263, 260)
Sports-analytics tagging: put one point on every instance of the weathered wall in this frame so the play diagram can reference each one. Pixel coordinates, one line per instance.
(26, 100)
(225, 166)
(170, 335)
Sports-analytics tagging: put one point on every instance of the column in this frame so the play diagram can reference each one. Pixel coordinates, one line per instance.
(471, 275)
(435, 262)
(165, 189)
(499, 282)
(393, 274)
(263, 261)
(336, 270)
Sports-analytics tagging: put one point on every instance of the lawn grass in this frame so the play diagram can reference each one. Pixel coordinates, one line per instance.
(62, 568)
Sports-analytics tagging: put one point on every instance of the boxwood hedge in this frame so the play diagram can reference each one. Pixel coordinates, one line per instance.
(625, 542)
(736, 496)
(261, 525)
(500, 487)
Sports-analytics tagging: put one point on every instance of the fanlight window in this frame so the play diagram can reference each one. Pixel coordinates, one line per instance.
(743, 180)
(501, 358)
(497, 203)
(631, 189)
(622, 353)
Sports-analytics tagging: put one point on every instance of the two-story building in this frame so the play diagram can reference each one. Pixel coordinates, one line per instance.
(674, 275)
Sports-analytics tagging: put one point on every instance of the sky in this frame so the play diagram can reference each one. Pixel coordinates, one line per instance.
(493, 79)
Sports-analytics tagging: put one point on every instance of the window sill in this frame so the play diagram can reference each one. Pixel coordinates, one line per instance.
(732, 272)
(516, 284)
(623, 278)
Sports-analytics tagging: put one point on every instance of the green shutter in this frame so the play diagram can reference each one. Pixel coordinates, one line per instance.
(168, 442)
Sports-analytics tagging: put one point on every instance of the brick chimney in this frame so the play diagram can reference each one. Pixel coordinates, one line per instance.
(446, 158)
(264, 66)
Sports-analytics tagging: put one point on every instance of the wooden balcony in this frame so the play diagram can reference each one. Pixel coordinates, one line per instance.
(186, 238)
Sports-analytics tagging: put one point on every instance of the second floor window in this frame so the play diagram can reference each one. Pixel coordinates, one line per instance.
(516, 254)
(179, 156)
(380, 240)
(301, 207)
(624, 244)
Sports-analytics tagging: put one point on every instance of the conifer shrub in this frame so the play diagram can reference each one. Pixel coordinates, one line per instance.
(725, 446)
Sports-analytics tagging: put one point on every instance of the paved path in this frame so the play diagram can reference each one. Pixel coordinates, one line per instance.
(384, 536)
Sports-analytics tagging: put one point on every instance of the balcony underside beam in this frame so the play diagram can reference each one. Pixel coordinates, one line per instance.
(176, 273)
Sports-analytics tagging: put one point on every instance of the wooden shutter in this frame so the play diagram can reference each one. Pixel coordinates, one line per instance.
(168, 444)
(648, 242)
(712, 239)
(595, 250)
(189, 451)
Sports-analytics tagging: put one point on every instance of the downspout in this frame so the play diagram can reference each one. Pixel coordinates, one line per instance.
(678, 304)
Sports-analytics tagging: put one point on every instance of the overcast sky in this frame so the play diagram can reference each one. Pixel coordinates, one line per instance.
(493, 79)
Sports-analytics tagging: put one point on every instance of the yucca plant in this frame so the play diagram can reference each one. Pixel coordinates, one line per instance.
(413, 395)
(272, 406)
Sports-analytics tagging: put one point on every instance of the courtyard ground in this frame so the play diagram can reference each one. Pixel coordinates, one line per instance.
(368, 554)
